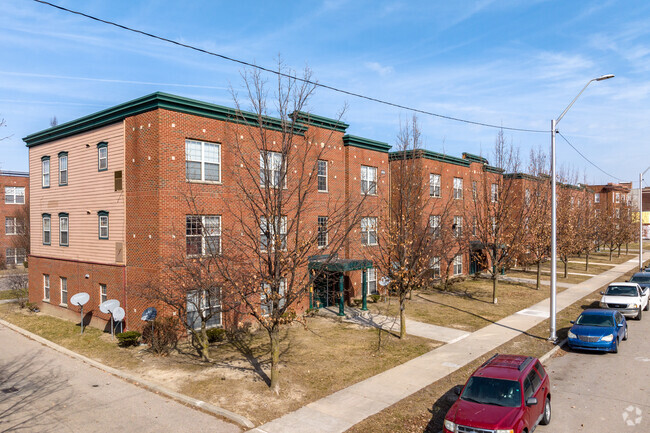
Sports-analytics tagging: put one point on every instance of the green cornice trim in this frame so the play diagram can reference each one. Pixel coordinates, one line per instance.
(427, 154)
(151, 102)
(525, 176)
(319, 121)
(491, 169)
(365, 143)
(475, 158)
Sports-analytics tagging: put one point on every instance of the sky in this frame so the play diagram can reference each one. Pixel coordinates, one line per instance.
(508, 63)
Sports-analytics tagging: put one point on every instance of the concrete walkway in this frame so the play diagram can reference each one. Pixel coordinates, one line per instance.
(347, 407)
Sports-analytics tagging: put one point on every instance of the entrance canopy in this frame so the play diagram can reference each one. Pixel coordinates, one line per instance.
(334, 264)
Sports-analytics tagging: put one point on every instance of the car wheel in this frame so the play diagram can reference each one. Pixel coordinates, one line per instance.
(647, 305)
(546, 419)
(639, 316)
(625, 334)
(615, 349)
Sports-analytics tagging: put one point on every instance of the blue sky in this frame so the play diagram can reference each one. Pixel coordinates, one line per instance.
(505, 62)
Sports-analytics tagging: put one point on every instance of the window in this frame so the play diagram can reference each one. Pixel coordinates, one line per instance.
(268, 238)
(63, 168)
(457, 227)
(494, 193)
(202, 161)
(434, 185)
(46, 287)
(322, 175)
(572, 200)
(45, 171)
(322, 232)
(474, 225)
(14, 256)
(64, 290)
(458, 188)
(206, 304)
(117, 178)
(266, 304)
(434, 264)
(474, 190)
(102, 216)
(272, 170)
(617, 212)
(14, 226)
(14, 195)
(371, 275)
(63, 229)
(47, 233)
(458, 264)
(369, 231)
(102, 156)
(434, 225)
(494, 226)
(597, 197)
(202, 235)
(368, 180)
(527, 196)
(618, 197)
(103, 295)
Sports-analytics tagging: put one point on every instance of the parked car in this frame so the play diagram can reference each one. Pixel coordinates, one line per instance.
(627, 298)
(600, 330)
(643, 280)
(508, 393)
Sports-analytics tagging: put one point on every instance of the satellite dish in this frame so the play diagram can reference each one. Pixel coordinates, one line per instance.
(118, 314)
(384, 281)
(149, 314)
(108, 306)
(80, 299)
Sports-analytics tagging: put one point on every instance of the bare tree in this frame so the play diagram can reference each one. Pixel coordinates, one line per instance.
(18, 288)
(53, 121)
(20, 240)
(3, 124)
(587, 225)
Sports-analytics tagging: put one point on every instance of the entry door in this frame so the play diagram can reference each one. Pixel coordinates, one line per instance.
(325, 289)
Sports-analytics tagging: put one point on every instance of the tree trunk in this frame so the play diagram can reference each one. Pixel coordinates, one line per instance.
(627, 248)
(619, 251)
(274, 336)
(587, 261)
(494, 287)
(402, 317)
(611, 250)
(566, 265)
(204, 343)
(539, 275)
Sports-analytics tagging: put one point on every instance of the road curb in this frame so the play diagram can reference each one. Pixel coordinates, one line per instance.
(551, 352)
(207, 407)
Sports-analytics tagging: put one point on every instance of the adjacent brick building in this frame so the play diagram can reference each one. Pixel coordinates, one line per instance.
(14, 187)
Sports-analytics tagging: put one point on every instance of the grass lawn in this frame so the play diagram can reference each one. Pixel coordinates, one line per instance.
(603, 256)
(6, 294)
(316, 361)
(467, 305)
(532, 274)
(424, 411)
(21, 270)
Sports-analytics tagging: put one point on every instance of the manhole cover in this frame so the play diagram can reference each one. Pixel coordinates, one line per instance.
(10, 390)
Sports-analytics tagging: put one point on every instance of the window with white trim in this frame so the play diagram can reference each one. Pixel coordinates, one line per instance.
(47, 230)
(457, 227)
(202, 235)
(266, 303)
(597, 197)
(14, 226)
(494, 226)
(103, 294)
(434, 185)
(618, 197)
(46, 287)
(45, 171)
(102, 156)
(268, 238)
(63, 230)
(14, 256)
(474, 189)
(617, 213)
(369, 231)
(527, 196)
(202, 161)
(368, 180)
(371, 281)
(322, 232)
(206, 304)
(102, 221)
(494, 193)
(434, 264)
(458, 264)
(272, 169)
(458, 188)
(14, 195)
(434, 226)
(322, 175)
(63, 168)
(64, 290)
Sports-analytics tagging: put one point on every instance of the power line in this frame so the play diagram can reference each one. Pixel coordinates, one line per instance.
(285, 75)
(587, 159)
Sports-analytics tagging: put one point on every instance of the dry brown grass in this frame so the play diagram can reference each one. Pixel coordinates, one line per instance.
(532, 274)
(424, 411)
(316, 361)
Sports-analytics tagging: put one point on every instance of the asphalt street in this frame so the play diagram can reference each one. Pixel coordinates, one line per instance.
(42, 390)
(593, 392)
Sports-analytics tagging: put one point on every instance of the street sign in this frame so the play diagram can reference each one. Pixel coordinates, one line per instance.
(384, 281)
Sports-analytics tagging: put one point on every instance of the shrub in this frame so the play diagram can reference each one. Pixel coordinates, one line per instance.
(216, 335)
(32, 307)
(128, 338)
(164, 336)
(357, 302)
(375, 298)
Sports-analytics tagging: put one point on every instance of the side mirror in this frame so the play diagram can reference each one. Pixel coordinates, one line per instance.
(620, 325)
(572, 322)
(532, 401)
(457, 389)
(602, 293)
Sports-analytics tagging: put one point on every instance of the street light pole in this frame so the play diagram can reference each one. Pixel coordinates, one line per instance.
(554, 122)
(641, 218)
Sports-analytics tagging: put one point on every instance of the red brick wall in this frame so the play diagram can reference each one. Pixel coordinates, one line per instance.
(8, 210)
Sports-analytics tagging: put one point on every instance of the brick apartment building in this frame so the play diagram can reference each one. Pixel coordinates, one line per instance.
(608, 198)
(14, 187)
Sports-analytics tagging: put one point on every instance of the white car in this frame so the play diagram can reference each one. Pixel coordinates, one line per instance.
(627, 298)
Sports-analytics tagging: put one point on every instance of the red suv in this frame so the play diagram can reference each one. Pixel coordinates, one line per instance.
(507, 394)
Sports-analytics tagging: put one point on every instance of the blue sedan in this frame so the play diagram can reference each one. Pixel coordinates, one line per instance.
(600, 330)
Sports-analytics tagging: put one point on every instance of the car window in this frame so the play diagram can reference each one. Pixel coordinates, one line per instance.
(528, 388)
(595, 320)
(621, 291)
(540, 368)
(498, 392)
(535, 379)
(640, 279)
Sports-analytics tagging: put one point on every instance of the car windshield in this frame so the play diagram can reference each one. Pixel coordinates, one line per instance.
(497, 392)
(595, 320)
(640, 279)
(621, 291)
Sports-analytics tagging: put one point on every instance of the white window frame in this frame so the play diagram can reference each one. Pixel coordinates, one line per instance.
(494, 192)
(265, 240)
(45, 172)
(14, 226)
(458, 264)
(273, 168)
(47, 229)
(267, 307)
(434, 265)
(434, 226)
(202, 160)
(63, 283)
(323, 233)
(46, 287)
(322, 175)
(210, 227)
(368, 180)
(199, 300)
(102, 158)
(618, 197)
(368, 230)
(12, 256)
(371, 281)
(14, 192)
(434, 185)
(527, 196)
(597, 197)
(458, 188)
(103, 293)
(64, 227)
(458, 226)
(103, 226)
(63, 169)
(617, 212)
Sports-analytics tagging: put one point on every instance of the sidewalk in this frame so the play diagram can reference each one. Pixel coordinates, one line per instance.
(345, 408)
